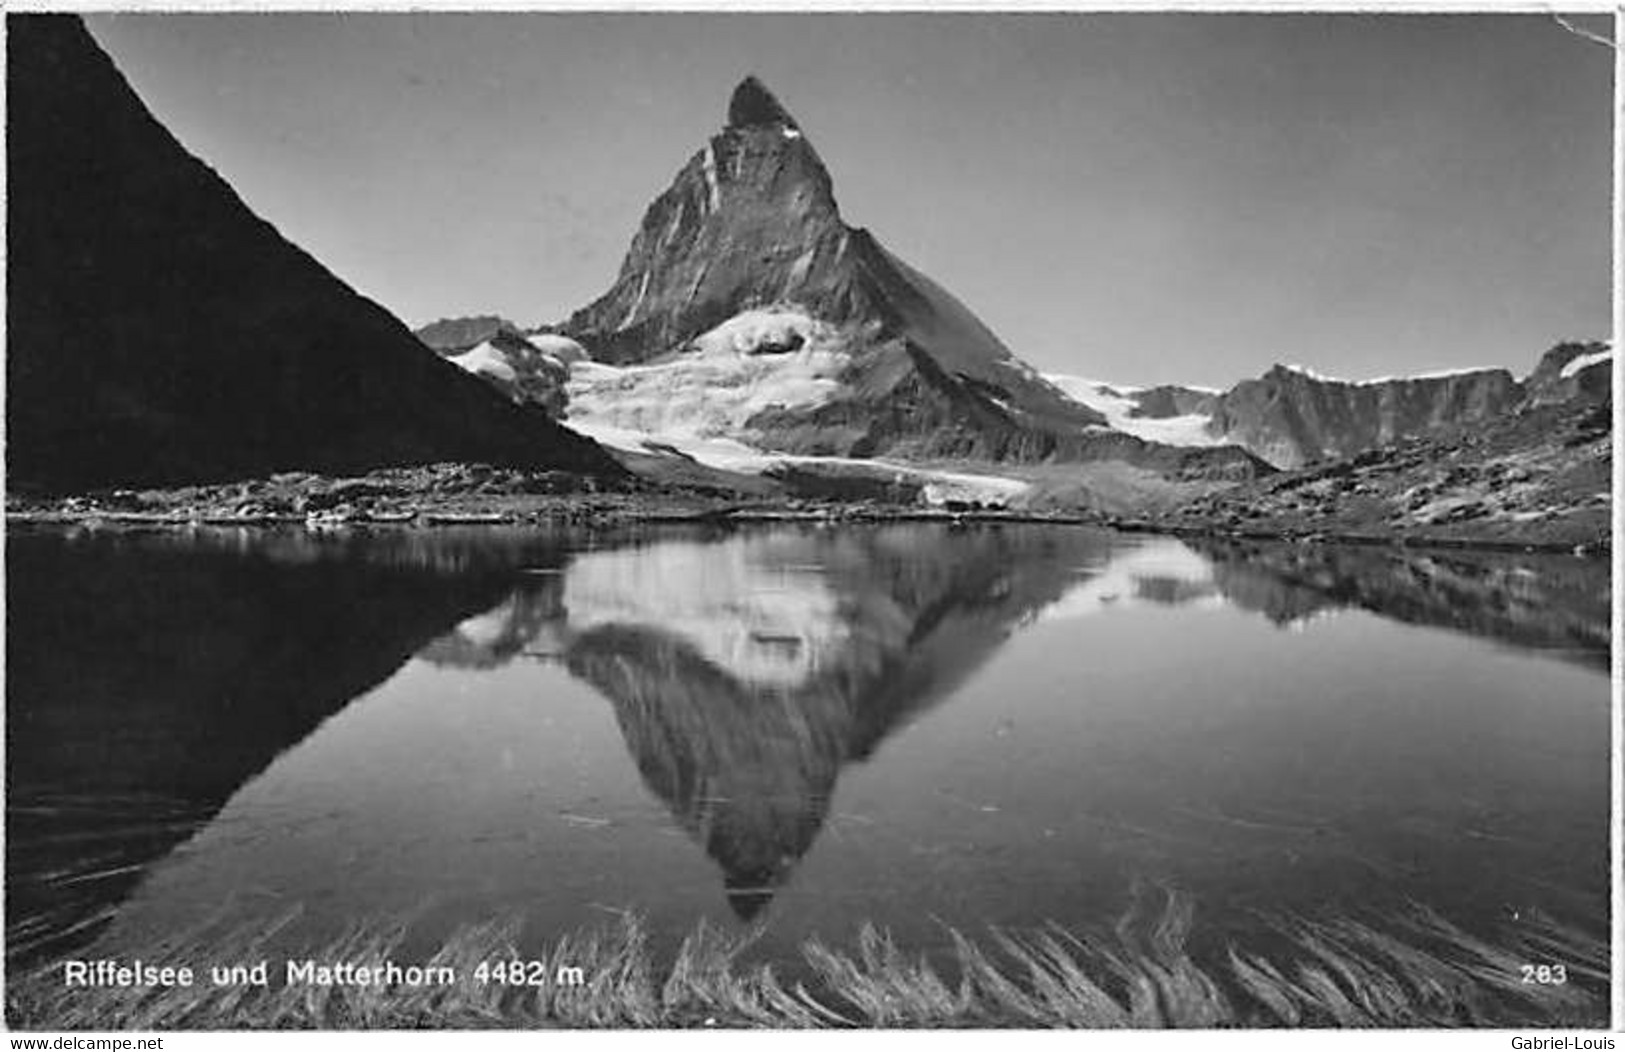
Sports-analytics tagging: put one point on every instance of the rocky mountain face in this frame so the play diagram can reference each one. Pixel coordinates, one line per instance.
(1291, 417)
(1541, 473)
(750, 227)
(455, 335)
(159, 332)
(1171, 400)
(1572, 371)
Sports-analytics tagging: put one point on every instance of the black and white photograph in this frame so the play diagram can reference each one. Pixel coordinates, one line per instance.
(810, 518)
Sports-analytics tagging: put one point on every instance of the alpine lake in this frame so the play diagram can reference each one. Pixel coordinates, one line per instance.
(792, 731)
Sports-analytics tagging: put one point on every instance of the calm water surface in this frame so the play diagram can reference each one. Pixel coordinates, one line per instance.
(802, 729)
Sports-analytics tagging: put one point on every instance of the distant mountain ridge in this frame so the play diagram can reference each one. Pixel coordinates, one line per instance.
(1291, 416)
(158, 332)
(528, 368)
(461, 334)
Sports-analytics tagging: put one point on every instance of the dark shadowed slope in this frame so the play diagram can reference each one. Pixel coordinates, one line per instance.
(160, 332)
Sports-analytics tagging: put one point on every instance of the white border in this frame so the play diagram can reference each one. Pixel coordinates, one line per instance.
(1583, 7)
(1139, 1039)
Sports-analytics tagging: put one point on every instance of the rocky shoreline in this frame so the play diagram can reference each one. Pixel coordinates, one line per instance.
(477, 495)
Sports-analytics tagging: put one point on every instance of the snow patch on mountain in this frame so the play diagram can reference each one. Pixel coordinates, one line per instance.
(766, 330)
(1305, 370)
(944, 486)
(1432, 374)
(729, 454)
(1111, 401)
(760, 359)
(486, 359)
(1583, 361)
(560, 348)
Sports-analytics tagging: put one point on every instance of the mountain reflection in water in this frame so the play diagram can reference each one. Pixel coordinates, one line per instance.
(1545, 602)
(154, 677)
(747, 672)
(150, 675)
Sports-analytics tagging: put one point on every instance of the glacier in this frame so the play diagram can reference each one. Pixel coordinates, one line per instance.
(698, 401)
(1109, 401)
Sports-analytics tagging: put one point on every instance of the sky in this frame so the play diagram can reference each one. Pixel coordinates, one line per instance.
(1141, 198)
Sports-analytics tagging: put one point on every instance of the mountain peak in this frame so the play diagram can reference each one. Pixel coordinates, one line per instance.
(752, 105)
